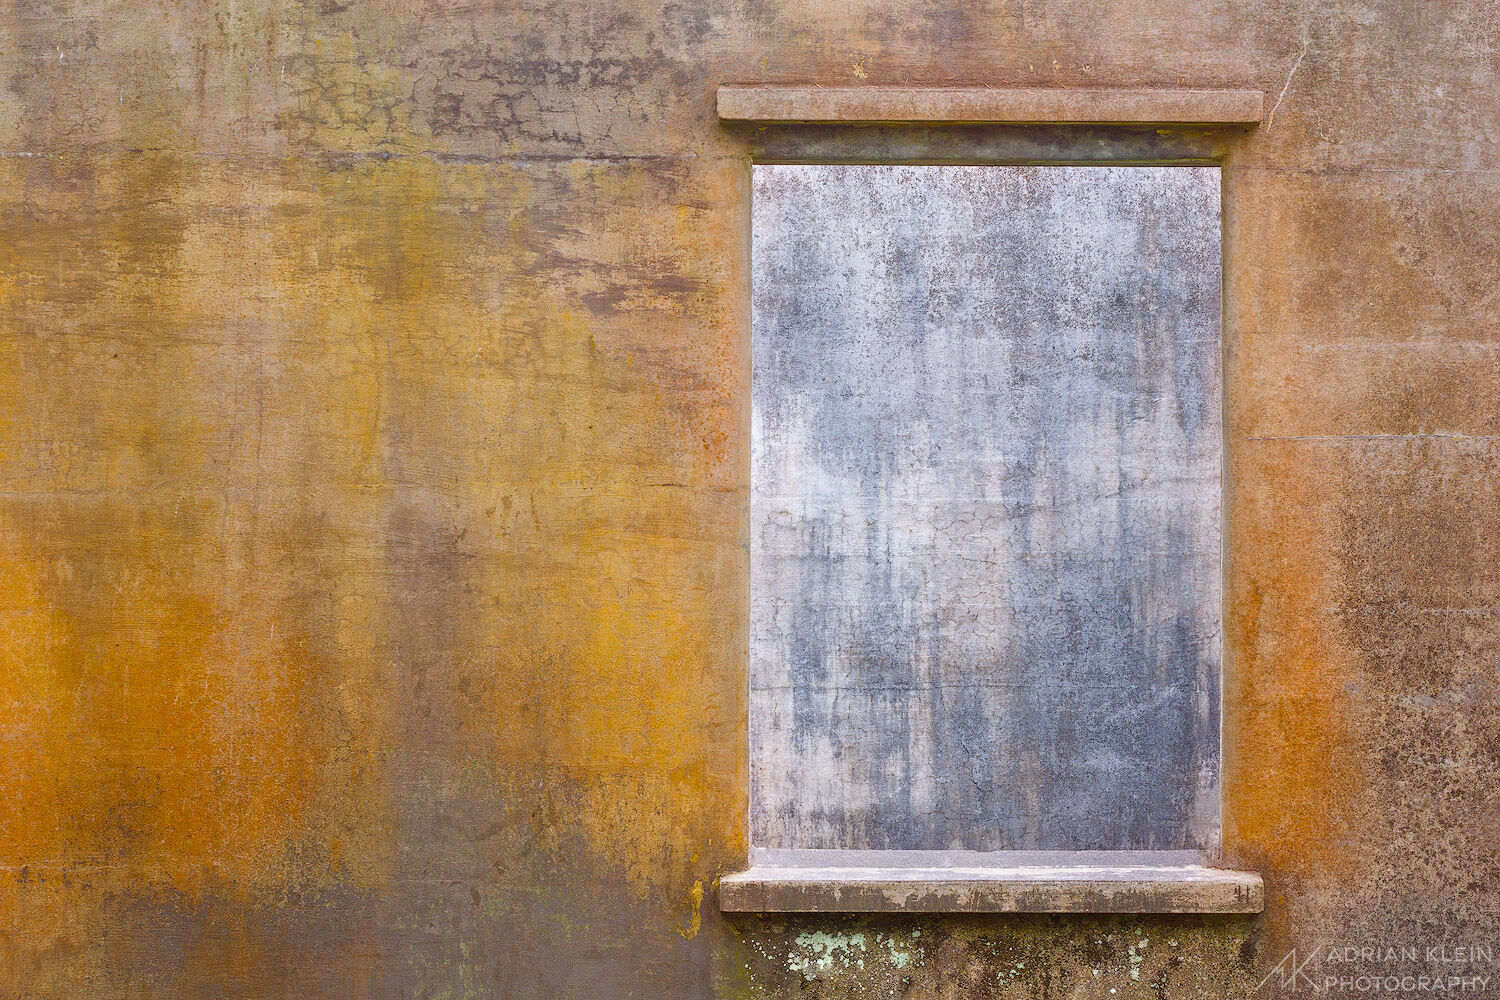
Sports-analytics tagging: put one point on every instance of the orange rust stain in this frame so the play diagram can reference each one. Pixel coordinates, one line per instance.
(625, 505)
(364, 471)
(161, 744)
(1288, 784)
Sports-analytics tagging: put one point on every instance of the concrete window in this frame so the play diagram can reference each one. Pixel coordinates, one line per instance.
(985, 514)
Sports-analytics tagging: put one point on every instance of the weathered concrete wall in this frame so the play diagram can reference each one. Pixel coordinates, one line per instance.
(374, 447)
(985, 567)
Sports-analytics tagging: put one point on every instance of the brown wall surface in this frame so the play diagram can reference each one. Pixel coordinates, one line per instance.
(374, 449)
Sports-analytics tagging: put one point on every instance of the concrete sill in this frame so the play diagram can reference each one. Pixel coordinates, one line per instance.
(1120, 884)
(987, 105)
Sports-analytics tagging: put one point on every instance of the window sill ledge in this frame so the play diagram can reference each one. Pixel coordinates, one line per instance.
(1020, 889)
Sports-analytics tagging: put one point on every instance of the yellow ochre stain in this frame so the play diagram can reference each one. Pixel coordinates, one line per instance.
(695, 896)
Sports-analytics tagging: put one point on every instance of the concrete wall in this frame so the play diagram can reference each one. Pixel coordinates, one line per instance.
(985, 601)
(374, 448)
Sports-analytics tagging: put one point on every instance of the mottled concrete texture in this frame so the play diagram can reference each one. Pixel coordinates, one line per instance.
(375, 456)
(985, 606)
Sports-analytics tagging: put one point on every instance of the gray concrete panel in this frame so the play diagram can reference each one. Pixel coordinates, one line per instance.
(985, 524)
